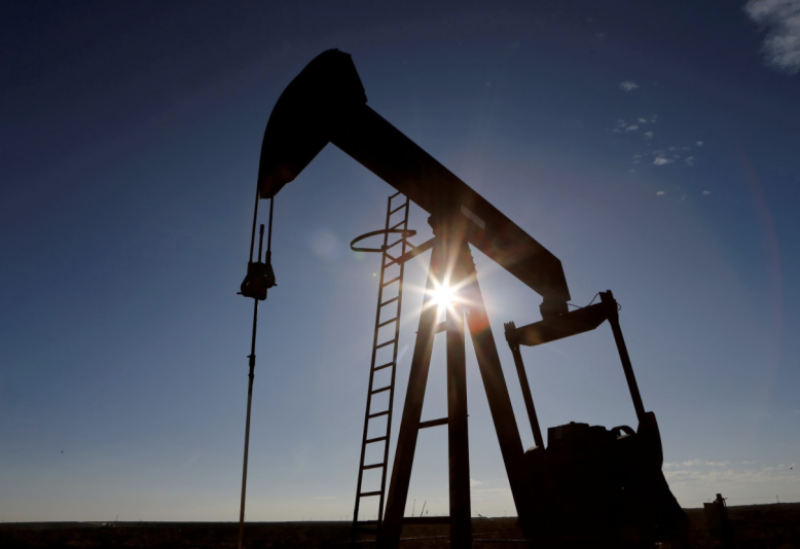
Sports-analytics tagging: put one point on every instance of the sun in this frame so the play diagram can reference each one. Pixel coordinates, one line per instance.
(443, 296)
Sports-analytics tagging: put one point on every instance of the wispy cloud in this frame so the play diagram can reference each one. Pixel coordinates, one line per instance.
(690, 161)
(719, 471)
(648, 135)
(621, 125)
(781, 20)
(662, 161)
(628, 86)
(699, 143)
(706, 193)
(661, 193)
(473, 482)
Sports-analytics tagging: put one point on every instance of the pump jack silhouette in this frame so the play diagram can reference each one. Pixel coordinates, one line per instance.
(590, 483)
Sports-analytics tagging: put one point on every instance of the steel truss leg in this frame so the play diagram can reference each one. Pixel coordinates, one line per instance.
(458, 439)
(494, 383)
(452, 261)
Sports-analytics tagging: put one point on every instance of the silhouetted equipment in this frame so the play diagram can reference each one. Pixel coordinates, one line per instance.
(590, 484)
(260, 276)
(386, 316)
(592, 481)
(259, 279)
(719, 523)
(326, 103)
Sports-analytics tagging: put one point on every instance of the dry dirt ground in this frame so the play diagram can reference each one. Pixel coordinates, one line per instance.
(775, 526)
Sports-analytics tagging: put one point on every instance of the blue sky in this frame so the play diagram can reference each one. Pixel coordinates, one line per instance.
(652, 148)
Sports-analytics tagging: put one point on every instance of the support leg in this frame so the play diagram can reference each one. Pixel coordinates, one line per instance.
(526, 393)
(613, 319)
(458, 432)
(389, 534)
(494, 382)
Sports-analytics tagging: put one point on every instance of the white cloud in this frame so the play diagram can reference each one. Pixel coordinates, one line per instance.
(699, 143)
(631, 128)
(661, 161)
(648, 135)
(781, 20)
(628, 85)
(719, 475)
(660, 193)
(706, 193)
(473, 482)
(689, 160)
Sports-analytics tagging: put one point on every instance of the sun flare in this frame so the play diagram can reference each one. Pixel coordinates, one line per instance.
(443, 295)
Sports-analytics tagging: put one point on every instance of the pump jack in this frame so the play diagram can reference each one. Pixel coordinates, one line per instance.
(589, 484)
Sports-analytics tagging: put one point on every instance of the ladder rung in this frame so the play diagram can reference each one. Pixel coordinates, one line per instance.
(395, 194)
(382, 324)
(382, 366)
(378, 414)
(433, 423)
(368, 494)
(382, 389)
(400, 207)
(373, 466)
(376, 439)
(390, 301)
(393, 228)
(393, 259)
(385, 343)
(392, 281)
(395, 243)
(441, 327)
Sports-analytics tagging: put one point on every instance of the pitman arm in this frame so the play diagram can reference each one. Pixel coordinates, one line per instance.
(326, 103)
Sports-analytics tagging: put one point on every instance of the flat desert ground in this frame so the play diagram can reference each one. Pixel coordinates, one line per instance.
(774, 526)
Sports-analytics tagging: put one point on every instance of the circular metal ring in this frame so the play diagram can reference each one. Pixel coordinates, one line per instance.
(405, 233)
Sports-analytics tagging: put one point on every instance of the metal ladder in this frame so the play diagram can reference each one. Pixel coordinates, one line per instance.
(388, 314)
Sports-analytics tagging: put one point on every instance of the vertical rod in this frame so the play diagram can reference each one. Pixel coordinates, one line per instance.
(269, 234)
(526, 390)
(253, 234)
(252, 358)
(389, 534)
(613, 319)
(458, 431)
